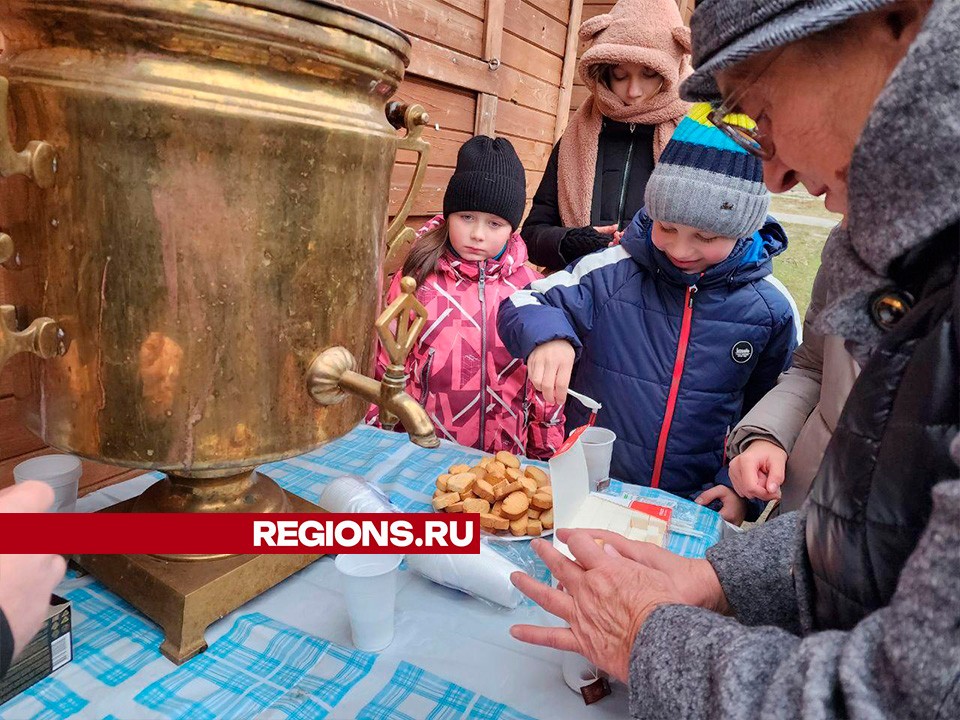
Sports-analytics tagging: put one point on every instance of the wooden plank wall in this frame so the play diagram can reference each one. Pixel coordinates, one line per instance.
(450, 75)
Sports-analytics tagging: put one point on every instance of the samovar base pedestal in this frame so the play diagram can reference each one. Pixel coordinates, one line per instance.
(185, 597)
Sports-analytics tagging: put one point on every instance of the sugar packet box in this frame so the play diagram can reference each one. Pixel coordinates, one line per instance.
(574, 506)
(49, 650)
(635, 512)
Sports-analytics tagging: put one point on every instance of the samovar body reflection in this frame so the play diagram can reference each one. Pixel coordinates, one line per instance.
(193, 211)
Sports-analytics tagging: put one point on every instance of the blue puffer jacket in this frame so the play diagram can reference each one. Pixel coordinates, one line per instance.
(676, 359)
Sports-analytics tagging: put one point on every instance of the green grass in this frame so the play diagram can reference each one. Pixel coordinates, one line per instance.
(798, 202)
(797, 267)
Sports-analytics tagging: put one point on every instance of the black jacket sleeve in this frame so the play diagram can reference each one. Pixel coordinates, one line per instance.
(6, 645)
(543, 229)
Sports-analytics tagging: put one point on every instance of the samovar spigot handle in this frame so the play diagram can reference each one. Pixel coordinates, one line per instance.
(333, 373)
(399, 343)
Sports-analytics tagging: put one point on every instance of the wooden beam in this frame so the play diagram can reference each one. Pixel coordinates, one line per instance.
(686, 10)
(493, 29)
(569, 66)
(435, 62)
(486, 121)
(95, 475)
(15, 439)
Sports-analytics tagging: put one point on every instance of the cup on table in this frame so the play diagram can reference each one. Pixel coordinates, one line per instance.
(60, 472)
(370, 589)
(578, 672)
(598, 450)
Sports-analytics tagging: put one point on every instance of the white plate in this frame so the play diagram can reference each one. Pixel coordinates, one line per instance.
(506, 536)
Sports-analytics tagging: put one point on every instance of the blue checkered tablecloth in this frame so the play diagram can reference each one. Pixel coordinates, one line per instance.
(286, 655)
(260, 668)
(260, 665)
(414, 693)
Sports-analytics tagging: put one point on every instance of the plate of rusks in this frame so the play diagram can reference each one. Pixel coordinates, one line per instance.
(514, 502)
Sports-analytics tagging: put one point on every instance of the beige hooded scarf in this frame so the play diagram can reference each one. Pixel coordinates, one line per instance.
(645, 32)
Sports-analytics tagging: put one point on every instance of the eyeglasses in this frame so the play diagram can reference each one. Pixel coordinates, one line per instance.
(739, 127)
(743, 131)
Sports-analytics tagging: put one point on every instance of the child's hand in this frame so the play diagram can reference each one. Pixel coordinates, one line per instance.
(759, 471)
(549, 368)
(733, 508)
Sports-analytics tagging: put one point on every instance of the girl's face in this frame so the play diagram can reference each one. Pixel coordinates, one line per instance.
(478, 236)
(691, 249)
(632, 83)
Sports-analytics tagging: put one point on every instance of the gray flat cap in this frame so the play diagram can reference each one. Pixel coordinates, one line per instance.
(726, 32)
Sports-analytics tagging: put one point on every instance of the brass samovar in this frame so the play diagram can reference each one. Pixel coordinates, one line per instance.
(193, 238)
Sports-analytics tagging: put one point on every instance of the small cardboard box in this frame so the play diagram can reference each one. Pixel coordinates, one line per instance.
(50, 650)
(575, 506)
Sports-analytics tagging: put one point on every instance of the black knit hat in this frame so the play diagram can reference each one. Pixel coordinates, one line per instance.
(489, 178)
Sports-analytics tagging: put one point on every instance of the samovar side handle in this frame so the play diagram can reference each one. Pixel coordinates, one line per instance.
(333, 373)
(38, 160)
(399, 236)
(42, 337)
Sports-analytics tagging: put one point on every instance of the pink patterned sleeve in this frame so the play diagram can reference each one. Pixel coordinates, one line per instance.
(545, 431)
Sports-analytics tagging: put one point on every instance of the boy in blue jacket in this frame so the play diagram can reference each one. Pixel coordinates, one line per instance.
(679, 330)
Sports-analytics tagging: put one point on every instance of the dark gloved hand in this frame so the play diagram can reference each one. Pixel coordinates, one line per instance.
(582, 241)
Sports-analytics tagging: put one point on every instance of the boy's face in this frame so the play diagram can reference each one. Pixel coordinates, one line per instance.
(691, 249)
(478, 236)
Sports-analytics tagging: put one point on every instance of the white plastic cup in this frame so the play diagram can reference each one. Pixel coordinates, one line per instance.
(598, 451)
(370, 589)
(60, 472)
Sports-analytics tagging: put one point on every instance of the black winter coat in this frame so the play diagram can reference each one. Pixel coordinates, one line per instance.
(624, 164)
(872, 497)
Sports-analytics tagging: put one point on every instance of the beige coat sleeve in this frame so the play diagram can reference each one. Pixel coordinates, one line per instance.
(782, 412)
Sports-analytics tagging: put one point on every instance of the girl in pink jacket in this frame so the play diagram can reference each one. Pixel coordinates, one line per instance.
(466, 261)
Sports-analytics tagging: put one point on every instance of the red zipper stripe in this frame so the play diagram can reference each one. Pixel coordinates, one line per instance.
(674, 387)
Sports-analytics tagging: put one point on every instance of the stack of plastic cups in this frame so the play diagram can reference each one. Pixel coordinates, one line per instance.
(60, 472)
(369, 581)
(349, 494)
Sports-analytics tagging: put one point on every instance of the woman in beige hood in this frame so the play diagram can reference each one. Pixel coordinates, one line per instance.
(781, 441)
(596, 176)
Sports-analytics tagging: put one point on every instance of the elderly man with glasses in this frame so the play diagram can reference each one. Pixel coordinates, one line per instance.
(850, 606)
